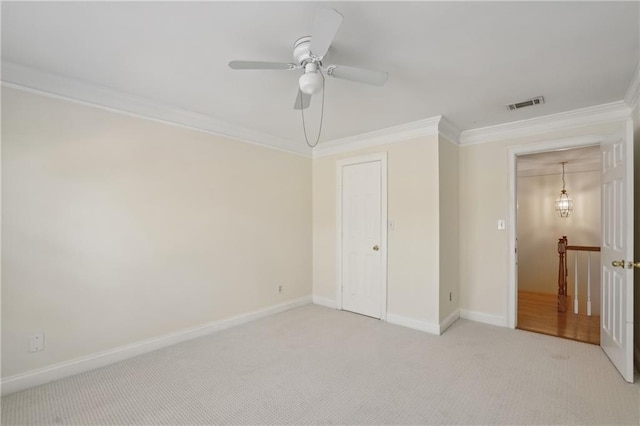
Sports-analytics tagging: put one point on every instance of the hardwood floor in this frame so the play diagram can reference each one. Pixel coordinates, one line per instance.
(538, 312)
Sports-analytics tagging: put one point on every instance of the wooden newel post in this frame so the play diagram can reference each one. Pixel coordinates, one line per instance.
(562, 274)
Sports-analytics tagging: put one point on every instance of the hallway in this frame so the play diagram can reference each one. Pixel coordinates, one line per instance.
(538, 312)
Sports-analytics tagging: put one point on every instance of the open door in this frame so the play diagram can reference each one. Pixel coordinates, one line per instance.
(616, 334)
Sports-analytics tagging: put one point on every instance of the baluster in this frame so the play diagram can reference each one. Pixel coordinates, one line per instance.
(589, 283)
(575, 284)
(563, 250)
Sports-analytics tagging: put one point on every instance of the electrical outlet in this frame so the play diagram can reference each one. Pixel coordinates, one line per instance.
(36, 342)
(280, 289)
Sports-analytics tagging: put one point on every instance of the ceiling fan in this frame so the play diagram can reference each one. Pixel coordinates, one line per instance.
(308, 54)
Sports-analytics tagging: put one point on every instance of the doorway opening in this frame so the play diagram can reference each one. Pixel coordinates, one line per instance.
(558, 252)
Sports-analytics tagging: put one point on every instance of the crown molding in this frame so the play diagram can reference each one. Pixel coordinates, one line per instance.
(32, 80)
(599, 114)
(426, 127)
(633, 92)
(449, 130)
(56, 86)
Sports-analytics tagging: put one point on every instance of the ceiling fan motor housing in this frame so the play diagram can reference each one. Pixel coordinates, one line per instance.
(301, 50)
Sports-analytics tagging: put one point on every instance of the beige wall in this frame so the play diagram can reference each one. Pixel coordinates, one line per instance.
(412, 247)
(484, 250)
(539, 228)
(117, 229)
(449, 227)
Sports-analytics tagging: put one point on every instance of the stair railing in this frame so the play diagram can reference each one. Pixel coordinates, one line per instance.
(563, 274)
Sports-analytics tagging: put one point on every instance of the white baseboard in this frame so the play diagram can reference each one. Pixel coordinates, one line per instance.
(414, 323)
(484, 318)
(90, 362)
(450, 319)
(323, 301)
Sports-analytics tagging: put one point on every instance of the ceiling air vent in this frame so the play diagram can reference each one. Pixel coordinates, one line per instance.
(529, 102)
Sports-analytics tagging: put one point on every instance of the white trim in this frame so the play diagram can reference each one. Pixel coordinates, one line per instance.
(512, 154)
(382, 157)
(46, 84)
(512, 234)
(338, 237)
(90, 362)
(427, 127)
(325, 301)
(448, 130)
(384, 221)
(416, 324)
(448, 321)
(599, 114)
(483, 318)
(631, 97)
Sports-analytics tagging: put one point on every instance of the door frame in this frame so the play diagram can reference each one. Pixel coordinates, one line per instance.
(512, 226)
(340, 164)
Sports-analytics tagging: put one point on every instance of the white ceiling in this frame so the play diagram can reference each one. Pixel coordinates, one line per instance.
(585, 159)
(463, 60)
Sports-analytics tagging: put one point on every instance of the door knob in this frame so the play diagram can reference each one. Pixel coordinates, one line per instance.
(376, 248)
(632, 265)
(618, 263)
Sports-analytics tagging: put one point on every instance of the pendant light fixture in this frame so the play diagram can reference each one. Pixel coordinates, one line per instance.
(564, 205)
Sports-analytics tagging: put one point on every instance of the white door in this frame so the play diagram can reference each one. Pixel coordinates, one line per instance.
(616, 335)
(362, 245)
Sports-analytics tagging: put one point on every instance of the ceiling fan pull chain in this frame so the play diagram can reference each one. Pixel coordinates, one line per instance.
(304, 126)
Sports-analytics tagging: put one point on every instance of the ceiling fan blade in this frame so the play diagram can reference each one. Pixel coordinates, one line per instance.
(302, 101)
(376, 78)
(325, 28)
(257, 65)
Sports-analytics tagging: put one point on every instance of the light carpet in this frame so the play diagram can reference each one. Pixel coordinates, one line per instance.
(314, 365)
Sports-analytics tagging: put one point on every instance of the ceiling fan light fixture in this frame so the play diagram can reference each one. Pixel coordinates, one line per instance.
(311, 81)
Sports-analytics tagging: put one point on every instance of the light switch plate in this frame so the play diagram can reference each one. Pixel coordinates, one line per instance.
(501, 224)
